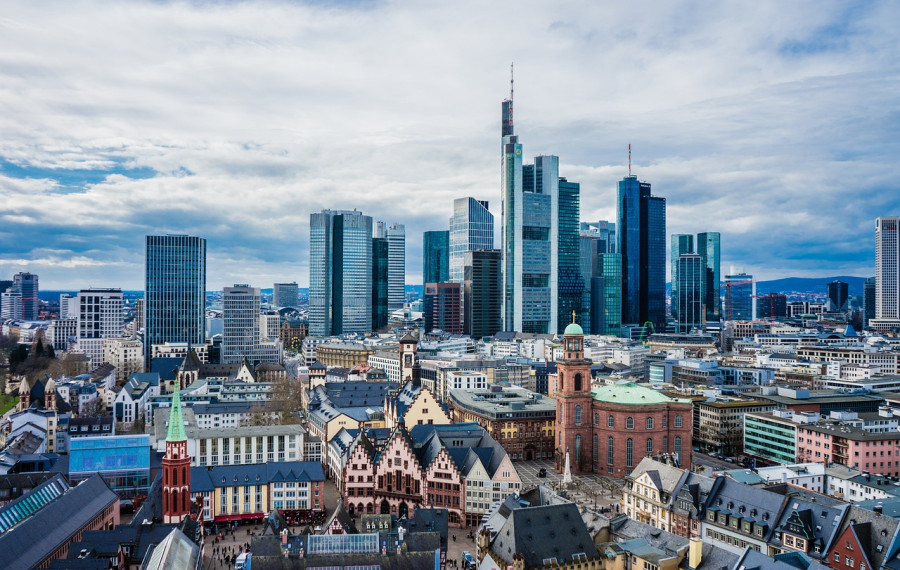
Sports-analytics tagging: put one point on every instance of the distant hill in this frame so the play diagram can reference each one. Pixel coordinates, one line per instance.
(808, 285)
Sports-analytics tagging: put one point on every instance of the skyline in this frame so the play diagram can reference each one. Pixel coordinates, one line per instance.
(773, 125)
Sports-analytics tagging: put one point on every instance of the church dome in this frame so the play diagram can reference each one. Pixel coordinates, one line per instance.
(574, 329)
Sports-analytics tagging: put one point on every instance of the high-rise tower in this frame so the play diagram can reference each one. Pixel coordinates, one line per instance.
(340, 273)
(395, 234)
(176, 466)
(681, 244)
(887, 273)
(435, 256)
(26, 284)
(471, 228)
(240, 323)
(175, 291)
(687, 299)
(709, 250)
(570, 281)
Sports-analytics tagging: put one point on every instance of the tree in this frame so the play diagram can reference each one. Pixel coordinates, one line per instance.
(283, 406)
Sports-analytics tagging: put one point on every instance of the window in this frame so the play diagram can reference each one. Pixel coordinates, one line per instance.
(629, 423)
(610, 422)
(649, 423)
(629, 453)
(596, 419)
(578, 415)
(609, 450)
(678, 421)
(649, 446)
(678, 446)
(578, 382)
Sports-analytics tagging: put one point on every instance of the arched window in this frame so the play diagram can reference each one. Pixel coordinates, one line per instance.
(560, 382)
(678, 447)
(578, 449)
(611, 421)
(649, 446)
(629, 422)
(596, 452)
(665, 448)
(578, 382)
(596, 419)
(175, 475)
(629, 453)
(678, 421)
(578, 415)
(649, 423)
(610, 449)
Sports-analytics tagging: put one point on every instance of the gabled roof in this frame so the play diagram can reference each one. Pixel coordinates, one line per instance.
(191, 362)
(539, 533)
(340, 515)
(166, 367)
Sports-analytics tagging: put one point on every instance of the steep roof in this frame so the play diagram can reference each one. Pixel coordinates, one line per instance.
(539, 533)
(176, 419)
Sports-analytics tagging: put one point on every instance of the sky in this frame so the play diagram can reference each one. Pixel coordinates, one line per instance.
(774, 123)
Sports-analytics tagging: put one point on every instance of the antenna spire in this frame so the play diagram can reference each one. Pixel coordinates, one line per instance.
(629, 159)
(511, 90)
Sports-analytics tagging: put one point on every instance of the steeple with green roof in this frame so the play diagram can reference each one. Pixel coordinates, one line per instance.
(176, 418)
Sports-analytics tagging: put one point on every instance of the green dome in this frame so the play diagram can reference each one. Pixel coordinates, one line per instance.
(574, 329)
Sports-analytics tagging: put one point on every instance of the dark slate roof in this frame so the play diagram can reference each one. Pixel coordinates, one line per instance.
(208, 479)
(191, 362)
(166, 367)
(755, 560)
(340, 515)
(317, 366)
(756, 503)
(814, 521)
(357, 394)
(538, 533)
(873, 530)
(80, 564)
(32, 540)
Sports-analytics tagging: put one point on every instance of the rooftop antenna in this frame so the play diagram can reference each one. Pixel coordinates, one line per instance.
(629, 160)
(511, 92)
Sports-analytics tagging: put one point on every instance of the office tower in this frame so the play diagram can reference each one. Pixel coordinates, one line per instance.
(739, 291)
(887, 273)
(610, 322)
(442, 307)
(340, 273)
(471, 228)
(269, 325)
(395, 234)
(436, 257)
(689, 298)
(838, 297)
(604, 230)
(175, 291)
(868, 301)
(286, 294)
(240, 323)
(771, 306)
(64, 312)
(570, 282)
(5, 285)
(11, 305)
(709, 250)
(641, 241)
(26, 284)
(681, 244)
(99, 316)
(592, 249)
(380, 312)
(138, 315)
(482, 285)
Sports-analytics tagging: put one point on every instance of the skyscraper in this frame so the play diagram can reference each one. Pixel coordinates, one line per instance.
(739, 291)
(887, 273)
(471, 228)
(26, 284)
(395, 234)
(709, 250)
(592, 249)
(606, 296)
(435, 257)
(570, 282)
(286, 294)
(175, 291)
(240, 323)
(380, 312)
(641, 240)
(442, 307)
(482, 286)
(868, 301)
(99, 316)
(604, 230)
(689, 297)
(681, 244)
(838, 296)
(340, 272)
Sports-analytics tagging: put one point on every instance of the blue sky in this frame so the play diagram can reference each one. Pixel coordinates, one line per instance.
(775, 124)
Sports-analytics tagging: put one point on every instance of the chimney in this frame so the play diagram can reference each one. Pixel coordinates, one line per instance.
(695, 553)
(879, 508)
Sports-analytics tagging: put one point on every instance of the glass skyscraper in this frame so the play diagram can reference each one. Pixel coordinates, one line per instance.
(435, 257)
(481, 291)
(26, 285)
(681, 244)
(175, 291)
(641, 240)
(606, 309)
(709, 250)
(471, 228)
(571, 282)
(380, 312)
(739, 291)
(340, 272)
(689, 296)
(395, 234)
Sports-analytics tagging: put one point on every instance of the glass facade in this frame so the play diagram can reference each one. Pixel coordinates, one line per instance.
(610, 288)
(687, 303)
(681, 245)
(435, 255)
(482, 284)
(122, 461)
(395, 234)
(175, 291)
(240, 323)
(738, 297)
(571, 283)
(380, 310)
(471, 228)
(708, 248)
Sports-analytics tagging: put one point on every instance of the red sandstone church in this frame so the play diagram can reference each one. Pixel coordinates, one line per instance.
(609, 429)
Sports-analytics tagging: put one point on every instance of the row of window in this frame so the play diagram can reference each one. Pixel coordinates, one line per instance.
(629, 421)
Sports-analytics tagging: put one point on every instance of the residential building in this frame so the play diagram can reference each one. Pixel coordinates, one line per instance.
(649, 492)
(395, 234)
(599, 428)
(641, 241)
(61, 332)
(520, 420)
(99, 317)
(442, 307)
(125, 354)
(436, 257)
(864, 539)
(175, 291)
(286, 294)
(471, 229)
(482, 293)
(340, 273)
(240, 317)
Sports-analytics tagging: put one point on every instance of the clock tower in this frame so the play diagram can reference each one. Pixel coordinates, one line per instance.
(574, 427)
(408, 346)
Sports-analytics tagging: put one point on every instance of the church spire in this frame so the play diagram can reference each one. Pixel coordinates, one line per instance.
(176, 418)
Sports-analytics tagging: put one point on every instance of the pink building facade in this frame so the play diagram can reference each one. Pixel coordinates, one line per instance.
(877, 453)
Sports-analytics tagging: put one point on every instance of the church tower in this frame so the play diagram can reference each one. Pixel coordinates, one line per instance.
(574, 423)
(50, 395)
(408, 346)
(176, 466)
(24, 395)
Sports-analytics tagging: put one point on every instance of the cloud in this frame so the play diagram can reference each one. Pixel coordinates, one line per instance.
(775, 124)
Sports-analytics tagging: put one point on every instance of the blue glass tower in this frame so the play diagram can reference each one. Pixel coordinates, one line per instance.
(681, 244)
(709, 250)
(689, 297)
(175, 291)
(435, 257)
(380, 262)
(571, 283)
(471, 228)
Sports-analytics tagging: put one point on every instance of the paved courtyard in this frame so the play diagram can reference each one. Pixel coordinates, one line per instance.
(592, 489)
